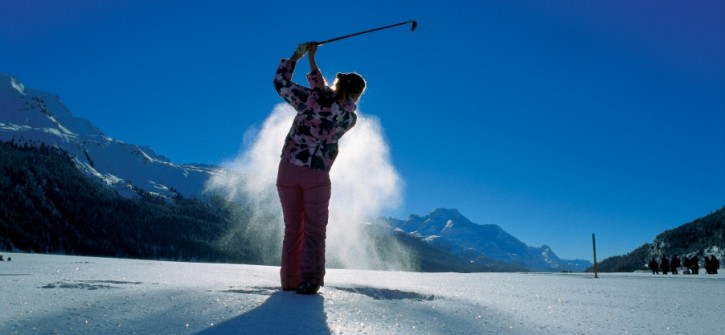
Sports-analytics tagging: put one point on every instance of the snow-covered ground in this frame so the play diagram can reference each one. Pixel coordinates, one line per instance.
(44, 294)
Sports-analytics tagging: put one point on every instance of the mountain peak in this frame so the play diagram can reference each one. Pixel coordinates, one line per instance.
(448, 228)
(447, 214)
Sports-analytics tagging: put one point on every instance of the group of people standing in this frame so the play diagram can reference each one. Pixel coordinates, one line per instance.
(692, 265)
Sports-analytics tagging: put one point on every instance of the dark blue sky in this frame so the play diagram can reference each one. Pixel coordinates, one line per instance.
(553, 119)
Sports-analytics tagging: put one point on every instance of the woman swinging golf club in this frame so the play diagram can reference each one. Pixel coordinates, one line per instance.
(324, 114)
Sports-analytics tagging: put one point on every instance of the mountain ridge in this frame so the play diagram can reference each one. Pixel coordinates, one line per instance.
(448, 228)
(33, 117)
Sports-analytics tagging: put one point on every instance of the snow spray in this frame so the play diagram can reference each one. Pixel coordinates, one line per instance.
(364, 184)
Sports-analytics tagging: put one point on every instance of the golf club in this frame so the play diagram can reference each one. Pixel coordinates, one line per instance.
(412, 28)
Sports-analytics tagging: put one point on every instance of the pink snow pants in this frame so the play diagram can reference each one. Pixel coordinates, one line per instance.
(305, 195)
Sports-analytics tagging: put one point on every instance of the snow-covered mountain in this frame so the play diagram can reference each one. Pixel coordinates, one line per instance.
(32, 117)
(449, 229)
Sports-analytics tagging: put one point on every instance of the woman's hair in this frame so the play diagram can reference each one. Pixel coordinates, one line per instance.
(349, 85)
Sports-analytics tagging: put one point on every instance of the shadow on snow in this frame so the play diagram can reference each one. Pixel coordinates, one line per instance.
(281, 313)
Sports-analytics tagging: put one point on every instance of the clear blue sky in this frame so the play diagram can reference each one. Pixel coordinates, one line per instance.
(553, 119)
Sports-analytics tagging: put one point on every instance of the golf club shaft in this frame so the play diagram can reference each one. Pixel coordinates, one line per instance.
(414, 24)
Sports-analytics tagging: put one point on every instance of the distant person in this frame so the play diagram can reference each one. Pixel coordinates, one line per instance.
(674, 264)
(686, 265)
(1, 258)
(665, 265)
(712, 265)
(653, 266)
(324, 115)
(694, 265)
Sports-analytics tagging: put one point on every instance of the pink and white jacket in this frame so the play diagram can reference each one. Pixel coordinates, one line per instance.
(320, 122)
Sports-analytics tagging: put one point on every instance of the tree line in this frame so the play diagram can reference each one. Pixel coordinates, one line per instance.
(48, 206)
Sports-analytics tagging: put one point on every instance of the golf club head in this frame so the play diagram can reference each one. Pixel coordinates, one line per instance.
(414, 25)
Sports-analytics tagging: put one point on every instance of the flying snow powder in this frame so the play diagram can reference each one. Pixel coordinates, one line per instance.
(364, 184)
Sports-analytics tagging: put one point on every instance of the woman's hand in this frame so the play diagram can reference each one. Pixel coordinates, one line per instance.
(303, 48)
(300, 51)
(312, 48)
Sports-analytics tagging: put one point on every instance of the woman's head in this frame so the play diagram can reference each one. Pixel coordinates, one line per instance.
(349, 86)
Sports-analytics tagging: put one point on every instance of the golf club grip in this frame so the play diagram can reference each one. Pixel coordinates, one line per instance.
(365, 32)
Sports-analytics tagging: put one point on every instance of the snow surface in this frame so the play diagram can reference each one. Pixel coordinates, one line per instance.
(44, 294)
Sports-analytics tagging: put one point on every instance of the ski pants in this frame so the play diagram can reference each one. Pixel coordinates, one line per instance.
(305, 196)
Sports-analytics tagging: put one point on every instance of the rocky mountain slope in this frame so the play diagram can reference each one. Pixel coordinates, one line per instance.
(33, 117)
(449, 229)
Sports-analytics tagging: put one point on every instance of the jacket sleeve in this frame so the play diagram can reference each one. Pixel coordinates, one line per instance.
(294, 94)
(316, 80)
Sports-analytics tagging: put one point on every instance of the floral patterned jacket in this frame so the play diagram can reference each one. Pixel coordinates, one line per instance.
(320, 121)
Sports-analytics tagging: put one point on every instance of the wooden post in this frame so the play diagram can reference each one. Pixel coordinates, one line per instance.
(594, 248)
